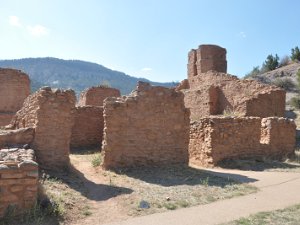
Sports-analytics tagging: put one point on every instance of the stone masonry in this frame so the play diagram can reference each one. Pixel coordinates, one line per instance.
(18, 180)
(213, 139)
(147, 128)
(96, 95)
(213, 92)
(206, 58)
(50, 113)
(14, 88)
(87, 131)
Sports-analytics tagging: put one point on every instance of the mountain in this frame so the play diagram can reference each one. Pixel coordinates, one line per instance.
(75, 74)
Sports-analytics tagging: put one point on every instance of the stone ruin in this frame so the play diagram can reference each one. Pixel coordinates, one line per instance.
(87, 131)
(18, 180)
(14, 88)
(210, 117)
(149, 127)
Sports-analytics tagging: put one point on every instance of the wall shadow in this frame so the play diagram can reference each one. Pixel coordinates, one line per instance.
(183, 175)
(255, 164)
(91, 190)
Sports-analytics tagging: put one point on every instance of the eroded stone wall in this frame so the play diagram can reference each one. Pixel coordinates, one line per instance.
(88, 126)
(218, 93)
(206, 58)
(147, 128)
(213, 139)
(18, 137)
(96, 95)
(14, 88)
(50, 112)
(18, 180)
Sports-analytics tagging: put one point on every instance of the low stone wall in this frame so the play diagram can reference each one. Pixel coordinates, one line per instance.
(19, 137)
(5, 118)
(213, 139)
(50, 113)
(96, 95)
(87, 131)
(147, 128)
(18, 180)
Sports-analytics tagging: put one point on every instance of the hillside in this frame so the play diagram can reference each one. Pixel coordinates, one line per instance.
(74, 74)
(281, 74)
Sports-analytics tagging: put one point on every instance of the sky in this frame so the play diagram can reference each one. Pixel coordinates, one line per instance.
(149, 38)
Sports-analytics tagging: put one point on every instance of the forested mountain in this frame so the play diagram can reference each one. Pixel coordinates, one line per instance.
(74, 74)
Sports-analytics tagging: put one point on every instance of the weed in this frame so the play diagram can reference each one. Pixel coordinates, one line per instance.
(96, 160)
(170, 206)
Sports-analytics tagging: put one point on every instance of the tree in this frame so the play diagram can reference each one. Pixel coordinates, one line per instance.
(295, 56)
(254, 72)
(271, 63)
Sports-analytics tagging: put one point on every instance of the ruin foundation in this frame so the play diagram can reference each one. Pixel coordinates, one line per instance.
(14, 88)
(213, 139)
(147, 128)
(18, 180)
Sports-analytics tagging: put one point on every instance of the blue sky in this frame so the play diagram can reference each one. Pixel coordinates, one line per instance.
(149, 38)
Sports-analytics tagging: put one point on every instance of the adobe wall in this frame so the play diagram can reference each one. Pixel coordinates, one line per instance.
(147, 128)
(87, 131)
(239, 97)
(206, 58)
(19, 137)
(96, 95)
(50, 112)
(213, 139)
(18, 180)
(14, 88)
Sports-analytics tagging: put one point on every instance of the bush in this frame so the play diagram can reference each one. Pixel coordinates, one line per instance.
(285, 83)
(295, 56)
(284, 61)
(295, 102)
(254, 72)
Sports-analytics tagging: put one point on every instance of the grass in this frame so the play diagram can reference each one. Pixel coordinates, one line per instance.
(96, 159)
(288, 215)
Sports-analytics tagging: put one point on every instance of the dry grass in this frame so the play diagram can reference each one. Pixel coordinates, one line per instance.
(288, 215)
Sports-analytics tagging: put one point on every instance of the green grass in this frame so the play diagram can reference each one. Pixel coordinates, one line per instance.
(290, 215)
(96, 160)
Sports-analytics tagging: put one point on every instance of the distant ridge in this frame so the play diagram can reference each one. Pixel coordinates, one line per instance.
(74, 74)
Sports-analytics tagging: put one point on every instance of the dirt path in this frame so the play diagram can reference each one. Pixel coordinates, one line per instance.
(278, 190)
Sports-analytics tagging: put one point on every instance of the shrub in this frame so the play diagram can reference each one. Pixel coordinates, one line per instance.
(254, 72)
(284, 61)
(295, 102)
(285, 83)
(96, 160)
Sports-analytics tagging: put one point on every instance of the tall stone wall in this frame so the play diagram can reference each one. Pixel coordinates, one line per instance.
(96, 95)
(14, 88)
(18, 180)
(206, 58)
(213, 139)
(149, 127)
(50, 112)
(218, 93)
(88, 126)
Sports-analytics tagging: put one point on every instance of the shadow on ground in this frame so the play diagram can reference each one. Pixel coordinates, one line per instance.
(256, 165)
(183, 175)
(91, 190)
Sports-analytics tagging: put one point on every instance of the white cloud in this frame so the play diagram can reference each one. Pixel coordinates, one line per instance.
(14, 21)
(37, 30)
(146, 69)
(242, 34)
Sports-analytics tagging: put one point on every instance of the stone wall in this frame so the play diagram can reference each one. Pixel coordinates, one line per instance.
(206, 58)
(96, 95)
(18, 180)
(19, 137)
(213, 139)
(88, 126)
(14, 88)
(50, 112)
(217, 93)
(147, 128)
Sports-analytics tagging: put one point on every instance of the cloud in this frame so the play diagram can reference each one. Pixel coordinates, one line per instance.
(14, 21)
(146, 69)
(38, 30)
(242, 34)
